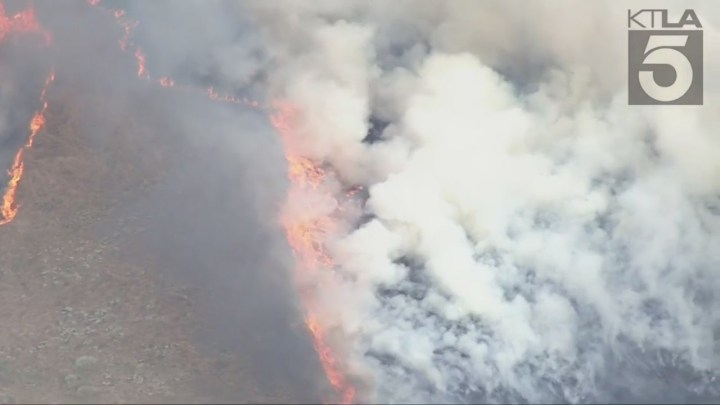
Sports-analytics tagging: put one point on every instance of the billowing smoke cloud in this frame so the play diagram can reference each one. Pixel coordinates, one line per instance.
(522, 234)
(527, 236)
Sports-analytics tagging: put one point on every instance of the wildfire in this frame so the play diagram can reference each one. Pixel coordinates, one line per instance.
(38, 120)
(329, 362)
(142, 72)
(306, 234)
(23, 22)
(140, 57)
(10, 207)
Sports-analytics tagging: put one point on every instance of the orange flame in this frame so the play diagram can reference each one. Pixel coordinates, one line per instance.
(329, 362)
(306, 238)
(140, 57)
(24, 22)
(9, 206)
(38, 120)
(164, 81)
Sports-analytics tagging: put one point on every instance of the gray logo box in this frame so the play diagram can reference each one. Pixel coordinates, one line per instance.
(665, 67)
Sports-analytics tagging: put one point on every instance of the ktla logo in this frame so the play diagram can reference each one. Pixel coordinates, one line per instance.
(664, 66)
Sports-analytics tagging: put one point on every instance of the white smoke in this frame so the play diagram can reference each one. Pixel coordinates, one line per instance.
(528, 235)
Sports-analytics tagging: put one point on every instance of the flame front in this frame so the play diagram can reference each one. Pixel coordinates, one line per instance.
(10, 207)
(306, 234)
(126, 45)
(23, 22)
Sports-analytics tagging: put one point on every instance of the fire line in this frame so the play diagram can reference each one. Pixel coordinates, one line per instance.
(126, 45)
(305, 236)
(23, 22)
(301, 235)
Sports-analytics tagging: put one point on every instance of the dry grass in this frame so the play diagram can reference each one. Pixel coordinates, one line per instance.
(79, 323)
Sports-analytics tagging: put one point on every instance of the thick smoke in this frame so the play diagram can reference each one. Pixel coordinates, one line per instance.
(527, 235)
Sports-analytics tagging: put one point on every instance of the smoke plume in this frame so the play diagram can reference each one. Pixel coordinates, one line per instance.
(524, 234)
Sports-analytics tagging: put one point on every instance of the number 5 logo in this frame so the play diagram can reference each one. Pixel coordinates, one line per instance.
(665, 67)
(660, 51)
